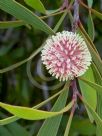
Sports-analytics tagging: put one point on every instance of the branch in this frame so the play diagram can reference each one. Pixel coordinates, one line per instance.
(65, 5)
(76, 16)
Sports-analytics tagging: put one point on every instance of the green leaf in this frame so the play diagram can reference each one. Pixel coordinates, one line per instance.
(54, 122)
(98, 14)
(89, 93)
(14, 118)
(68, 125)
(19, 11)
(16, 130)
(82, 126)
(87, 38)
(32, 114)
(21, 62)
(48, 12)
(95, 116)
(5, 49)
(35, 52)
(60, 21)
(95, 56)
(97, 87)
(90, 24)
(98, 80)
(9, 24)
(36, 4)
(8, 120)
(4, 131)
(90, 3)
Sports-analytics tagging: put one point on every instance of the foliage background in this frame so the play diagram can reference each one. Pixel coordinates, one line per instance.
(15, 87)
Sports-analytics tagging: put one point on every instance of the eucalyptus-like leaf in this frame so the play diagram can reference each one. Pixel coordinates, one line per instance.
(35, 52)
(53, 123)
(98, 80)
(90, 24)
(10, 24)
(20, 12)
(95, 56)
(48, 12)
(4, 131)
(68, 125)
(36, 4)
(32, 114)
(92, 84)
(15, 118)
(89, 93)
(82, 126)
(96, 13)
(14, 127)
(90, 3)
(96, 117)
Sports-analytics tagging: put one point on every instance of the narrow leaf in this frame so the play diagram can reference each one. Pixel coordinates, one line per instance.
(60, 21)
(48, 12)
(98, 80)
(37, 5)
(9, 24)
(4, 131)
(98, 14)
(14, 118)
(86, 36)
(90, 3)
(89, 93)
(32, 114)
(54, 122)
(34, 53)
(82, 126)
(94, 85)
(8, 120)
(96, 117)
(21, 62)
(19, 11)
(68, 124)
(16, 130)
(90, 24)
(96, 58)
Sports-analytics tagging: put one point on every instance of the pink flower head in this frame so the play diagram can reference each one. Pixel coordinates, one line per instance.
(66, 55)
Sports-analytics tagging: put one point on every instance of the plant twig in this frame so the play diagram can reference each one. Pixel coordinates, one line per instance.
(76, 16)
(75, 90)
(53, 14)
(65, 5)
(84, 5)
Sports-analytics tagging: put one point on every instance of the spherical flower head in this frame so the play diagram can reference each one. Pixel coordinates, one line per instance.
(66, 55)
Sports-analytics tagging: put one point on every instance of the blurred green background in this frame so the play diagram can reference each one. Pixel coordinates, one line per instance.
(16, 88)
